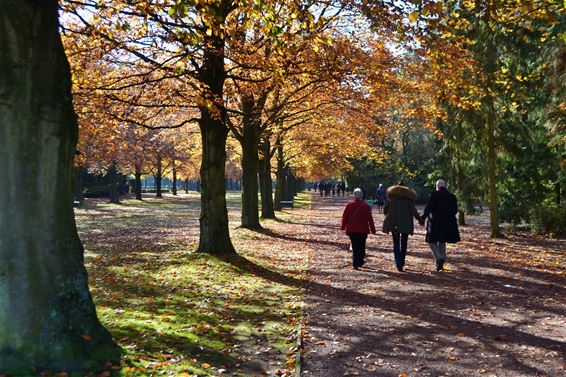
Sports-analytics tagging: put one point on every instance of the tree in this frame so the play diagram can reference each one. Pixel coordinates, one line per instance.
(47, 317)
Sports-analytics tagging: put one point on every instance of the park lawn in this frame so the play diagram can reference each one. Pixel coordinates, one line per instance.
(179, 313)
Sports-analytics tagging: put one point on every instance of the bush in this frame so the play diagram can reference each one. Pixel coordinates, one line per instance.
(549, 220)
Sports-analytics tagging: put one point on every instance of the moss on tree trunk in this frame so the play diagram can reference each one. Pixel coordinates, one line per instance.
(47, 316)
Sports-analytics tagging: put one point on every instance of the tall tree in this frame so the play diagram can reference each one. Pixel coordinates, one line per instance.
(47, 317)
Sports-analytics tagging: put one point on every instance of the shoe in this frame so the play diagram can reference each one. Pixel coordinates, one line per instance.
(356, 268)
(440, 265)
(400, 269)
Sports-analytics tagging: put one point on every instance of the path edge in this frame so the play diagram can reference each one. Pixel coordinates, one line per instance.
(299, 345)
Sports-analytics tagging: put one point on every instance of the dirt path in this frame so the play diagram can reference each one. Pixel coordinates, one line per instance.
(498, 311)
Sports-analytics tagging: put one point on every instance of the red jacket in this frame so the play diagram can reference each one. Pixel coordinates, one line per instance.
(357, 218)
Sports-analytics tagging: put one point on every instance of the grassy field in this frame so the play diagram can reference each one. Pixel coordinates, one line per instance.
(179, 313)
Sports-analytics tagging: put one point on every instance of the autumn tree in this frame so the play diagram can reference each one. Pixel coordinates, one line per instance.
(47, 317)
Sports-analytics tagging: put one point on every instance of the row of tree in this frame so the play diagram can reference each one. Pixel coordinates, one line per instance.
(312, 84)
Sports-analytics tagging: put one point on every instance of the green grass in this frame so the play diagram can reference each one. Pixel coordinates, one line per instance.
(174, 311)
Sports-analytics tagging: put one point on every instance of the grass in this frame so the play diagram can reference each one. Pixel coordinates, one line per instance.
(179, 313)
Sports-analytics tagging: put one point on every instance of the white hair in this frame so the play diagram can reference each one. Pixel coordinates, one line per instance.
(440, 183)
(358, 193)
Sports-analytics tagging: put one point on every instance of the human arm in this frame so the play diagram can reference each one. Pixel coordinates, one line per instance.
(345, 217)
(415, 213)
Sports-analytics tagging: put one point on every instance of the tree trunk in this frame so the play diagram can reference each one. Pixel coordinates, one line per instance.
(138, 187)
(158, 176)
(186, 185)
(490, 56)
(113, 184)
(249, 142)
(78, 184)
(47, 317)
(279, 177)
(174, 187)
(214, 231)
(265, 183)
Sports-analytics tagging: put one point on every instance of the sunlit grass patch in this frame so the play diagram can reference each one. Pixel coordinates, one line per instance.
(174, 311)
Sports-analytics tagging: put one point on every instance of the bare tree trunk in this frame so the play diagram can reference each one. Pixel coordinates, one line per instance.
(138, 187)
(174, 188)
(47, 317)
(250, 141)
(265, 182)
(113, 184)
(214, 231)
(158, 177)
(279, 176)
(186, 185)
(490, 129)
(78, 184)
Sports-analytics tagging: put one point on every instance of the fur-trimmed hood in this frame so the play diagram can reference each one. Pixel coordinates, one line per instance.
(401, 192)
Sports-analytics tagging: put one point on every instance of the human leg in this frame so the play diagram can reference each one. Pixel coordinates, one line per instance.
(403, 249)
(358, 244)
(399, 261)
(439, 252)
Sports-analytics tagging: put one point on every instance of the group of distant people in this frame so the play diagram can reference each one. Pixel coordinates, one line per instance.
(327, 188)
(398, 205)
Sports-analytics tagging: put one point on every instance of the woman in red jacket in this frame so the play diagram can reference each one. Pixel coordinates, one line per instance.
(357, 221)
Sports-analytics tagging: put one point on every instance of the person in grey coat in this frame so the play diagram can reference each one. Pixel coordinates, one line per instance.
(442, 227)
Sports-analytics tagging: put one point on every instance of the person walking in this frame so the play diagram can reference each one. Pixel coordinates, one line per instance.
(380, 198)
(442, 227)
(357, 221)
(399, 212)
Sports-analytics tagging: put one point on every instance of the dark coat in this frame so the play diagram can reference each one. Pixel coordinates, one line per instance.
(399, 210)
(441, 210)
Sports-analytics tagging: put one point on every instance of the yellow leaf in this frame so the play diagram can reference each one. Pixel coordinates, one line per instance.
(209, 32)
(205, 365)
(413, 17)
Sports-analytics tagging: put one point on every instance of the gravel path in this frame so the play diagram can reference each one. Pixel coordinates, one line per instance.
(498, 311)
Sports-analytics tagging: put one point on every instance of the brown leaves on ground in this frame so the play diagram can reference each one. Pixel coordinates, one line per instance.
(498, 310)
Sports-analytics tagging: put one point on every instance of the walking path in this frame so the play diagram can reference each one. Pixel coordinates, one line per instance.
(498, 311)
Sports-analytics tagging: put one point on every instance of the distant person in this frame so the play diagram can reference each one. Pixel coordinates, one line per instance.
(321, 188)
(399, 212)
(380, 198)
(357, 221)
(343, 188)
(441, 227)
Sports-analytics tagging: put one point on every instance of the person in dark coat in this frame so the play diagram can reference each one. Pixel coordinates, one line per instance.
(441, 227)
(399, 212)
(380, 198)
(357, 221)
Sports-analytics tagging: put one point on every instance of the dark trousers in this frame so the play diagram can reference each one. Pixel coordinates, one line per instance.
(358, 248)
(400, 248)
